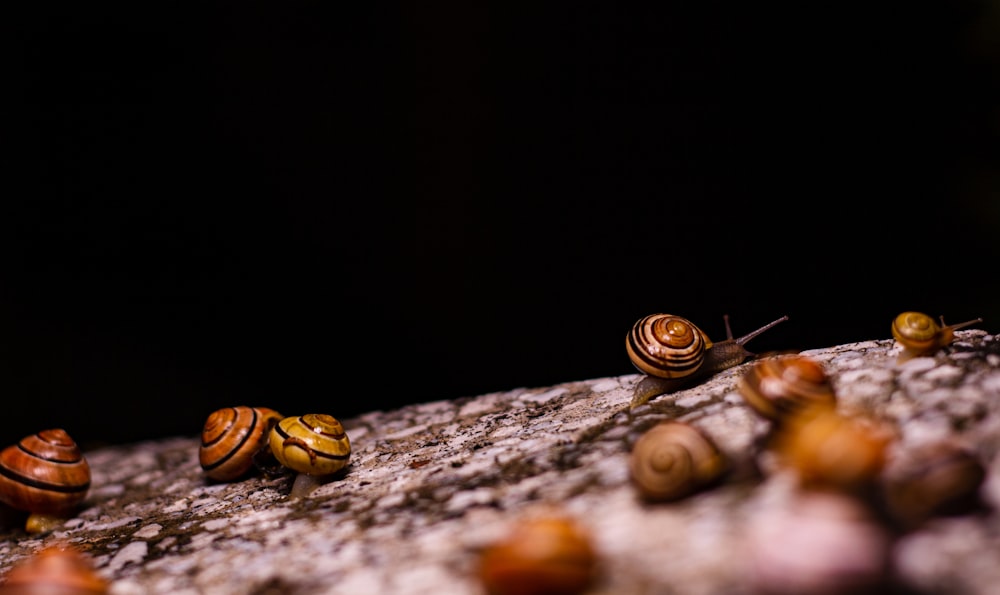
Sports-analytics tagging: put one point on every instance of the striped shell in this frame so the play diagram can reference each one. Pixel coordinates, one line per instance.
(45, 472)
(314, 444)
(230, 439)
(920, 335)
(666, 346)
(781, 386)
(54, 570)
(672, 460)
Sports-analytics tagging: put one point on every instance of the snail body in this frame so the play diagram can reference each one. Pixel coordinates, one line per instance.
(776, 388)
(672, 460)
(918, 334)
(547, 555)
(46, 475)
(232, 438)
(673, 352)
(56, 570)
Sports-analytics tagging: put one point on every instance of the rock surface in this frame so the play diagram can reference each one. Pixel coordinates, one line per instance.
(430, 485)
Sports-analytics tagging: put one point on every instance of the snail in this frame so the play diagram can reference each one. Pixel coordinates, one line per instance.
(672, 460)
(918, 334)
(46, 475)
(315, 445)
(673, 352)
(232, 440)
(545, 555)
(57, 570)
(778, 387)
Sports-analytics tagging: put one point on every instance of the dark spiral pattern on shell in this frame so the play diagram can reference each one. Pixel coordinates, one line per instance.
(779, 387)
(666, 346)
(230, 439)
(45, 472)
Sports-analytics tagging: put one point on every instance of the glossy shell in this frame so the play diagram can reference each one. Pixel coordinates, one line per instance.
(314, 443)
(781, 386)
(921, 335)
(54, 570)
(230, 439)
(666, 346)
(45, 472)
(549, 555)
(672, 460)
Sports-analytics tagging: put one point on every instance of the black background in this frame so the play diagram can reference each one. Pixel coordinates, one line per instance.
(322, 208)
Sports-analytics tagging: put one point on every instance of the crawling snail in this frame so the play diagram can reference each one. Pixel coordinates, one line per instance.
(45, 475)
(781, 386)
(314, 445)
(673, 352)
(233, 439)
(672, 460)
(56, 570)
(918, 334)
(546, 555)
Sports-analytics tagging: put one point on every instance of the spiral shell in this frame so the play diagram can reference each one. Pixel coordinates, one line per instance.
(547, 555)
(921, 335)
(781, 386)
(56, 570)
(230, 439)
(315, 444)
(939, 478)
(666, 346)
(45, 472)
(673, 460)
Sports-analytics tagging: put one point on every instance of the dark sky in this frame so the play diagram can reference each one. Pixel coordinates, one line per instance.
(320, 208)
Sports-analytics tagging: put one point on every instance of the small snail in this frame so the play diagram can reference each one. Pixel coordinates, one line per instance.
(920, 335)
(673, 352)
(56, 570)
(781, 386)
(315, 445)
(46, 475)
(232, 438)
(547, 555)
(672, 460)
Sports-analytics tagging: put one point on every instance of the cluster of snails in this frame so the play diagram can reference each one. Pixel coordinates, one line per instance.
(235, 441)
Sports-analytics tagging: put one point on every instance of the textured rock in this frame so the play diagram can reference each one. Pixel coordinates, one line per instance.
(430, 485)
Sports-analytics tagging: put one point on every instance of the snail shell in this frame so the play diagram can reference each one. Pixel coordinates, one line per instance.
(672, 351)
(778, 387)
(45, 472)
(232, 437)
(314, 444)
(672, 460)
(547, 555)
(56, 570)
(939, 478)
(920, 335)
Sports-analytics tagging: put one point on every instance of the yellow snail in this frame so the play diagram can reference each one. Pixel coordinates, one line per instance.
(546, 555)
(315, 445)
(786, 385)
(672, 460)
(55, 570)
(232, 440)
(919, 334)
(46, 475)
(673, 352)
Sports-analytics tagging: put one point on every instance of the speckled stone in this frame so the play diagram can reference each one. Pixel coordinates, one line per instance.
(430, 485)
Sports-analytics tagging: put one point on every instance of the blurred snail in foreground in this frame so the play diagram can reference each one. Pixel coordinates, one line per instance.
(54, 570)
(315, 445)
(46, 475)
(547, 555)
(779, 387)
(232, 440)
(918, 334)
(672, 460)
(673, 352)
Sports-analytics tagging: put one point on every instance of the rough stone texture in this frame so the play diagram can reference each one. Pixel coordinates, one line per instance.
(430, 485)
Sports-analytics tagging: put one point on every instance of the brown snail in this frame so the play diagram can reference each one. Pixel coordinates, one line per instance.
(55, 570)
(918, 334)
(786, 385)
(315, 445)
(232, 439)
(672, 460)
(46, 475)
(673, 352)
(546, 555)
